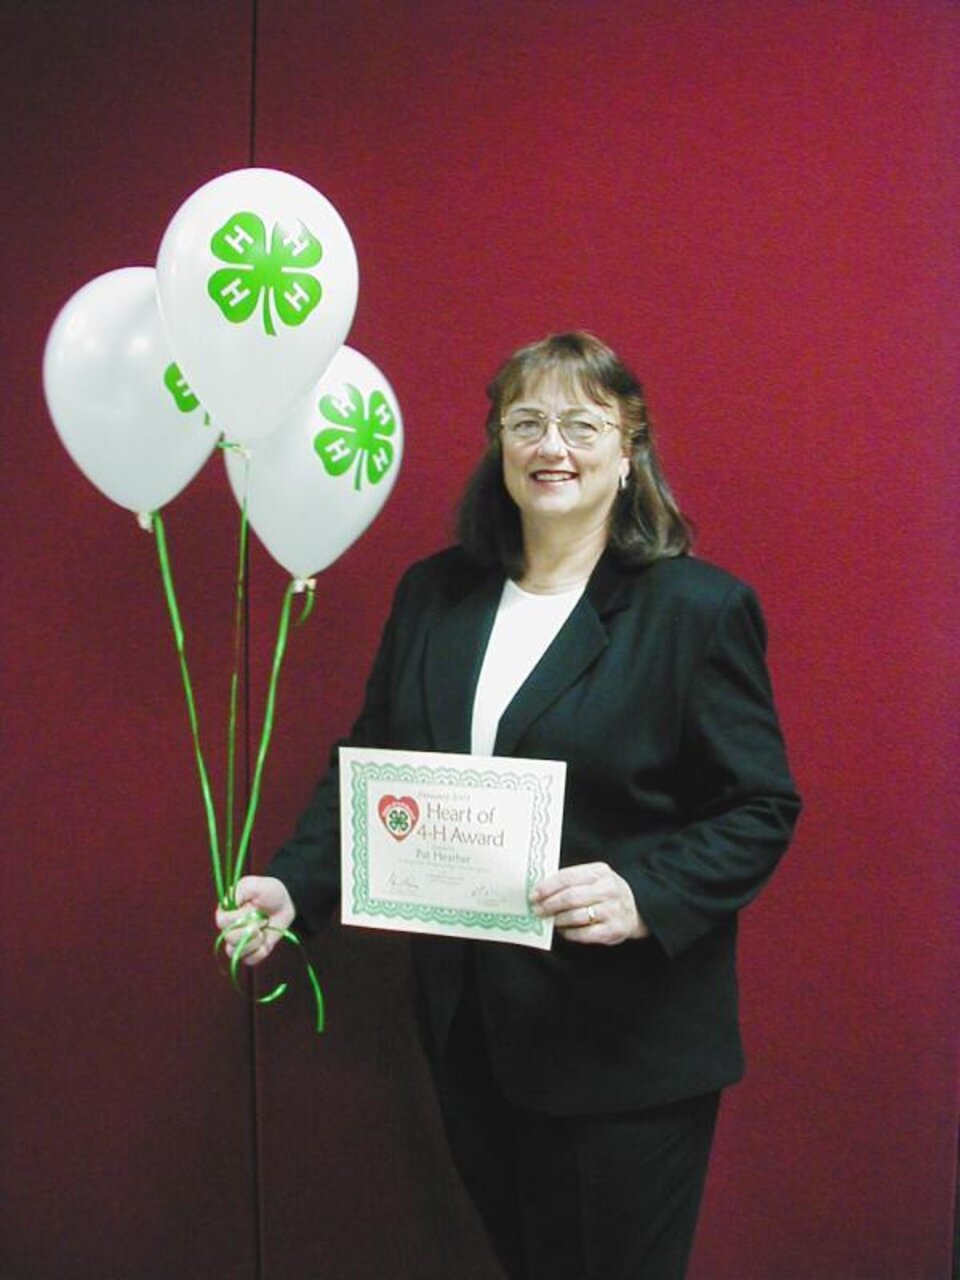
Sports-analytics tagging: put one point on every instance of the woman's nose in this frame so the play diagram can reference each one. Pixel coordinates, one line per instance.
(552, 443)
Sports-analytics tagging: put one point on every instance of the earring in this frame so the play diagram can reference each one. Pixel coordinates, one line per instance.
(623, 481)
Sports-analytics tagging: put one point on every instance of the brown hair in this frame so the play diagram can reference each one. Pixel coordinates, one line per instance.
(645, 522)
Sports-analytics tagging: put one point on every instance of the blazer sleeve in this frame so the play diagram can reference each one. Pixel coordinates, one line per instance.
(737, 795)
(309, 862)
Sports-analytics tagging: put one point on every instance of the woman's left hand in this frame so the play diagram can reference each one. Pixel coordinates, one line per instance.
(590, 903)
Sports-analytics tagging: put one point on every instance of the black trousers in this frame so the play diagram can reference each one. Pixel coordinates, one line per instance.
(609, 1197)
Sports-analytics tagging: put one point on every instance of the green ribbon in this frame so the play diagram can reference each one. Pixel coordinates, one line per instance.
(238, 617)
(228, 866)
(178, 639)
(265, 736)
(252, 925)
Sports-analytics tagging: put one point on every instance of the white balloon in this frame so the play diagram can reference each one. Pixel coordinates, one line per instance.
(258, 279)
(116, 398)
(316, 484)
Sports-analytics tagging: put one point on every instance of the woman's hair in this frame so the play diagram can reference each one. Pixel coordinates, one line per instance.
(645, 521)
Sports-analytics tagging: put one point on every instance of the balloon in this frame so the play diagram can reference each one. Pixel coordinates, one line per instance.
(316, 484)
(118, 402)
(257, 278)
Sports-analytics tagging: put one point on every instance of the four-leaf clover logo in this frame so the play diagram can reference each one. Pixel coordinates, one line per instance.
(183, 397)
(278, 276)
(359, 435)
(399, 821)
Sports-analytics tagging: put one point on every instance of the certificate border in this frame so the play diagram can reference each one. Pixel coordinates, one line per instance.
(362, 773)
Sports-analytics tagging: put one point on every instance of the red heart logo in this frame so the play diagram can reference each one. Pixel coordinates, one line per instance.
(399, 815)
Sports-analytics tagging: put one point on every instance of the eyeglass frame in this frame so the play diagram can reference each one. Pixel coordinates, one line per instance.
(546, 418)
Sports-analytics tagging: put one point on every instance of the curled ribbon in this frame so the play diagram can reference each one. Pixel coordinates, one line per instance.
(254, 925)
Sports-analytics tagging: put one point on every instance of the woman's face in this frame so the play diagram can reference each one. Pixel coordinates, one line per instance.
(551, 480)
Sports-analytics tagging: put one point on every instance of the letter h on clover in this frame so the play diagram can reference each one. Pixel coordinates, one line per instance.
(357, 436)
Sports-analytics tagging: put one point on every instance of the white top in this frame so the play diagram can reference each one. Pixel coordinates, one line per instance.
(522, 632)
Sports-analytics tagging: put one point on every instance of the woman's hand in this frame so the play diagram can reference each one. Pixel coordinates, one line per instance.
(263, 906)
(590, 903)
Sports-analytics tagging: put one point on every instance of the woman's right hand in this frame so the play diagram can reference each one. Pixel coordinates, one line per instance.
(264, 910)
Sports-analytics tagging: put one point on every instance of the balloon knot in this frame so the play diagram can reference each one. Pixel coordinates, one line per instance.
(303, 584)
(145, 521)
(234, 446)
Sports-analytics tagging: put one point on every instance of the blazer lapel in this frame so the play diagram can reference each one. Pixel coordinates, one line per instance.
(454, 654)
(578, 644)
(458, 641)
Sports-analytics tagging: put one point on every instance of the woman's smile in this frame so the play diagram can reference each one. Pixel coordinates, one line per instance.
(552, 477)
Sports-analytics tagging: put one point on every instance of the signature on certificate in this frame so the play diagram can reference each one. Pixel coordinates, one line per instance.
(487, 895)
(403, 883)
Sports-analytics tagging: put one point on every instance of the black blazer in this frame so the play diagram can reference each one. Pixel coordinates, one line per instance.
(655, 692)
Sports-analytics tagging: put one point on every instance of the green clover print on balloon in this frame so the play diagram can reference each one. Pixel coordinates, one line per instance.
(359, 436)
(183, 397)
(279, 276)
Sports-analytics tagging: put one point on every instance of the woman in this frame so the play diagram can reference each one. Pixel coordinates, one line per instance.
(579, 1087)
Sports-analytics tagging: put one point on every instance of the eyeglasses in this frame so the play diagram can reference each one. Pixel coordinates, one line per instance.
(579, 428)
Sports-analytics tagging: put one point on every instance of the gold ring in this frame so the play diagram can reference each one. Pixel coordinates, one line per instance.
(591, 914)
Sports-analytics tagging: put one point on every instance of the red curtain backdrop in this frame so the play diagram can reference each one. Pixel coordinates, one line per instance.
(756, 204)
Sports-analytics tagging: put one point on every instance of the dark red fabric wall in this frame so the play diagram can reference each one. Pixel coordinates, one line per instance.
(756, 204)
(125, 1070)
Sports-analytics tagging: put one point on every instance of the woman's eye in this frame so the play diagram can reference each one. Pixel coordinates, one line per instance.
(582, 428)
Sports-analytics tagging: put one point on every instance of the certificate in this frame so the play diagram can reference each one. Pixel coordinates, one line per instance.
(448, 844)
